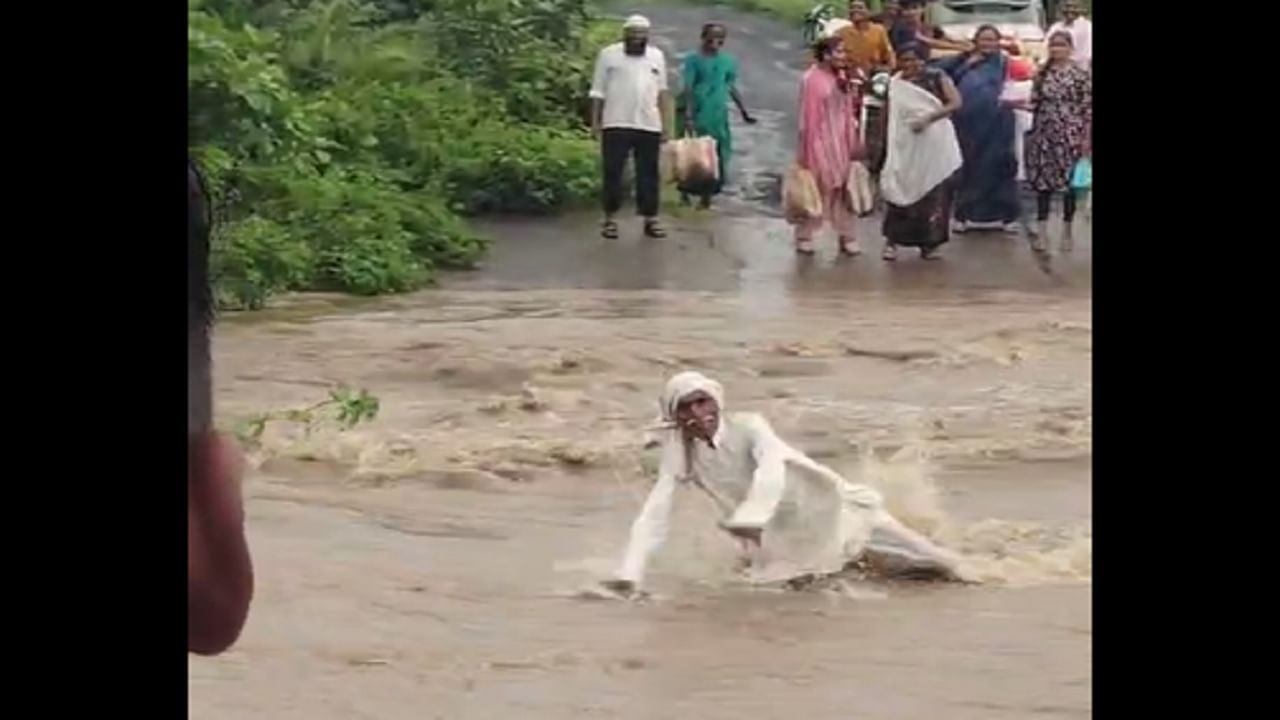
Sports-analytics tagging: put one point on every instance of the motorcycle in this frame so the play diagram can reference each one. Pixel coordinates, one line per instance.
(871, 126)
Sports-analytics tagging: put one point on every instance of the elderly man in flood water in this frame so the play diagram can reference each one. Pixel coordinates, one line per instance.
(749, 472)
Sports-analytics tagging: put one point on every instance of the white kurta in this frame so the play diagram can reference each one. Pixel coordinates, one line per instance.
(753, 470)
(758, 479)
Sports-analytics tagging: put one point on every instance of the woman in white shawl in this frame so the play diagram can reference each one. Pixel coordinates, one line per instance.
(750, 472)
(922, 156)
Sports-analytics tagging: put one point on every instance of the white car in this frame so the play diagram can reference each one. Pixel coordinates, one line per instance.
(1023, 20)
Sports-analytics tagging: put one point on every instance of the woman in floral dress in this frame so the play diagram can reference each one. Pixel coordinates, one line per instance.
(1062, 100)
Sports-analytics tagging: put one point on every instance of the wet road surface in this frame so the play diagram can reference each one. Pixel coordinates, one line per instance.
(745, 244)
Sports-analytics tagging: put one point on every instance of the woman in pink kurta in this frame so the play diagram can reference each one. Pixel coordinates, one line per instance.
(828, 143)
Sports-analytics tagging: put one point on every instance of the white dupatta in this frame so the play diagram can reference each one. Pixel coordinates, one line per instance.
(916, 162)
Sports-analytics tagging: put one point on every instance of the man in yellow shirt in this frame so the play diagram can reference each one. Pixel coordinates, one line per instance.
(866, 44)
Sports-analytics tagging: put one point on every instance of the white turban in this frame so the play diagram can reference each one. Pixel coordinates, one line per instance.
(665, 432)
(636, 22)
(682, 386)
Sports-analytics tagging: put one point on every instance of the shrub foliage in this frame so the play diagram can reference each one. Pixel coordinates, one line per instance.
(345, 140)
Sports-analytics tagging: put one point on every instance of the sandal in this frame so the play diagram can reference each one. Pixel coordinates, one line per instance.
(804, 247)
(653, 229)
(609, 230)
(890, 253)
(849, 247)
(929, 253)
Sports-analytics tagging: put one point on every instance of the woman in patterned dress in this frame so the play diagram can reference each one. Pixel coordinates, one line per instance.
(1062, 100)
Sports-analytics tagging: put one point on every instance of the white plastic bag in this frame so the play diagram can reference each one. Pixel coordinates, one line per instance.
(695, 161)
(861, 197)
(801, 201)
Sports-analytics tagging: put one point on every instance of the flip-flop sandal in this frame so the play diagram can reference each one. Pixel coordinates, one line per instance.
(654, 230)
(610, 230)
(850, 248)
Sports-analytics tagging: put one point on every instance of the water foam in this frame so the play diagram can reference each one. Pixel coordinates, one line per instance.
(993, 550)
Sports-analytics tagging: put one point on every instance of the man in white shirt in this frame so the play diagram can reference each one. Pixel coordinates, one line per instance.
(750, 472)
(630, 113)
(1081, 30)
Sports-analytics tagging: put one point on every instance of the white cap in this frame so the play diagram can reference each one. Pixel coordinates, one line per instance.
(637, 22)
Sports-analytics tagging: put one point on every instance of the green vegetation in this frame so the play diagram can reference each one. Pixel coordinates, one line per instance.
(344, 141)
(344, 408)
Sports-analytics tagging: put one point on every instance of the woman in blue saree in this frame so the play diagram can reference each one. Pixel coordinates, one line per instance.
(987, 192)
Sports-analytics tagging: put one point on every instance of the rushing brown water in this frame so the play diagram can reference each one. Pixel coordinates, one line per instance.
(428, 564)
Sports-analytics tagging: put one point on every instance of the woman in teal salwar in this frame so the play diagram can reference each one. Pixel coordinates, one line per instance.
(709, 84)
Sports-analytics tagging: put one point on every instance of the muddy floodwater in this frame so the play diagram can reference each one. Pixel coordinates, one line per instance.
(429, 564)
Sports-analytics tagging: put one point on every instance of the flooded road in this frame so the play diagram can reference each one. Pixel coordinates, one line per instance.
(427, 565)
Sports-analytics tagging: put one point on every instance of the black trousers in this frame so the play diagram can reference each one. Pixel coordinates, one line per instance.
(1068, 205)
(617, 145)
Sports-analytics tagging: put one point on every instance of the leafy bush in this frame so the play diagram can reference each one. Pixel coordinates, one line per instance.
(256, 257)
(345, 139)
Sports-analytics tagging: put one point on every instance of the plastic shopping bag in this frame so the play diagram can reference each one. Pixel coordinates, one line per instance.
(861, 197)
(801, 200)
(695, 161)
(1082, 175)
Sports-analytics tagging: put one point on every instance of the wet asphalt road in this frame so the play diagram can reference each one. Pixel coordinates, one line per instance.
(743, 245)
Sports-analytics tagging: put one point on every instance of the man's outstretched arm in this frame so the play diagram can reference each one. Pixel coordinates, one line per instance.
(649, 530)
(767, 483)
